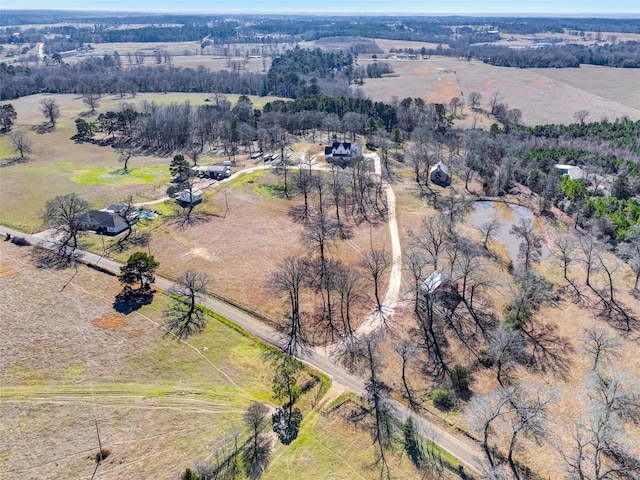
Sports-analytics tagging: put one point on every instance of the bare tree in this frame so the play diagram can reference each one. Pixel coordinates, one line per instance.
(416, 262)
(50, 109)
(125, 212)
(488, 230)
(184, 318)
(304, 181)
(474, 100)
(379, 408)
(375, 264)
(454, 103)
(257, 452)
(589, 249)
(282, 140)
(91, 100)
(348, 284)
(125, 155)
(530, 248)
(630, 253)
(600, 344)
(613, 391)
(289, 279)
(408, 351)
(601, 449)
(506, 348)
(63, 214)
(21, 143)
(581, 115)
(432, 237)
(527, 416)
(565, 245)
(482, 413)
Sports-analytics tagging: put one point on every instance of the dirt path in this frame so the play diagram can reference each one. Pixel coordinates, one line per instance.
(378, 319)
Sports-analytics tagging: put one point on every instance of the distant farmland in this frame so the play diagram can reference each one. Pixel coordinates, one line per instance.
(543, 95)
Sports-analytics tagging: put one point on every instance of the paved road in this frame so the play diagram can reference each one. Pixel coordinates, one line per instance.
(466, 452)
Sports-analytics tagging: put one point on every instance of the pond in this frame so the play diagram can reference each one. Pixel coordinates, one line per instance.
(507, 215)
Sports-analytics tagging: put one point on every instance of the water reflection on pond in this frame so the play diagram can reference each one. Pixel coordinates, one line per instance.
(506, 215)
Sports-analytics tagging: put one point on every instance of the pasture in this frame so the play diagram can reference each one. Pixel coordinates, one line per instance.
(70, 360)
(543, 95)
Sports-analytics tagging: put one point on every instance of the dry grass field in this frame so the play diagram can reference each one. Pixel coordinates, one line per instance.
(68, 357)
(67, 360)
(543, 95)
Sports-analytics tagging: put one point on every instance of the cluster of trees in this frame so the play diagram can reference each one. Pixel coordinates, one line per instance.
(623, 54)
(599, 446)
(289, 75)
(92, 76)
(331, 203)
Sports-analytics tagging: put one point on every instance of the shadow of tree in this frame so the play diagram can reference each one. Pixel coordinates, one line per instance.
(136, 239)
(13, 161)
(129, 300)
(183, 221)
(43, 128)
(53, 259)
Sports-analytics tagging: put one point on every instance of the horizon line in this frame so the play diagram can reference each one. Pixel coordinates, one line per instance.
(612, 15)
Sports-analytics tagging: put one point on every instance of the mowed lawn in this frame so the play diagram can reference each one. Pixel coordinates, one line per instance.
(543, 95)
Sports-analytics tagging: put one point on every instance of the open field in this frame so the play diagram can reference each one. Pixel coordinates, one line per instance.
(543, 95)
(160, 404)
(68, 357)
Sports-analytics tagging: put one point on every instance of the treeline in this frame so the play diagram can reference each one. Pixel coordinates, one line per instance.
(623, 55)
(89, 77)
(623, 133)
(289, 72)
(290, 75)
(185, 33)
(339, 106)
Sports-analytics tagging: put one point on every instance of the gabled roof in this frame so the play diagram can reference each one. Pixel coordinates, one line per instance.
(432, 282)
(440, 166)
(98, 219)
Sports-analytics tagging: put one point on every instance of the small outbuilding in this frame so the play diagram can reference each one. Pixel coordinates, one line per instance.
(442, 289)
(102, 222)
(189, 197)
(573, 172)
(213, 171)
(439, 174)
(438, 282)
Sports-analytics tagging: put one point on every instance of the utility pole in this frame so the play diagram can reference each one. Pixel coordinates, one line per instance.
(226, 205)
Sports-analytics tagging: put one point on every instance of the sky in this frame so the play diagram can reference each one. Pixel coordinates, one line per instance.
(439, 7)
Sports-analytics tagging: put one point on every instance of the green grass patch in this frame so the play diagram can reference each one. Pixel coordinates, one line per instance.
(6, 147)
(110, 176)
(246, 179)
(74, 372)
(270, 190)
